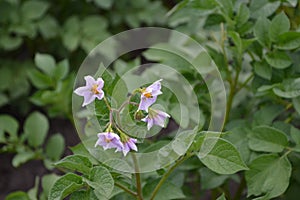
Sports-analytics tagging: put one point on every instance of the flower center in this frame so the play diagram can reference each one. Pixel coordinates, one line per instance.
(107, 140)
(94, 89)
(148, 95)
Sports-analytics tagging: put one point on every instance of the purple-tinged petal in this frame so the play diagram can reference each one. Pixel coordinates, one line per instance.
(149, 122)
(100, 83)
(156, 93)
(88, 98)
(81, 90)
(100, 95)
(155, 117)
(128, 145)
(155, 86)
(90, 81)
(146, 102)
(109, 141)
(131, 143)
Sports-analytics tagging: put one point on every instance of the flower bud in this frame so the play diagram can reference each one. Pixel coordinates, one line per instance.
(138, 115)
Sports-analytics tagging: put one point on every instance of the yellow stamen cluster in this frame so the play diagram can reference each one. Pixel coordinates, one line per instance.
(94, 89)
(146, 94)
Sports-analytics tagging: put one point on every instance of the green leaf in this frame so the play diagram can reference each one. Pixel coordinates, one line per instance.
(61, 70)
(213, 20)
(39, 80)
(210, 180)
(223, 158)
(47, 182)
(8, 125)
(263, 69)
(80, 149)
(267, 114)
(263, 8)
(22, 157)
(166, 192)
(293, 2)
(55, 146)
(106, 4)
(268, 174)
(296, 104)
(288, 41)
(226, 7)
(237, 41)
(75, 163)
(242, 15)
(80, 195)
(290, 88)
(8, 42)
(222, 197)
(34, 9)
(36, 127)
(101, 180)
(19, 195)
(70, 36)
(3, 99)
(33, 192)
(64, 186)
(280, 24)
(295, 134)
(239, 138)
(48, 27)
(268, 139)
(46, 63)
(261, 31)
(278, 59)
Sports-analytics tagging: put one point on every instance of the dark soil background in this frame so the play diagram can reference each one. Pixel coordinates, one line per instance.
(23, 177)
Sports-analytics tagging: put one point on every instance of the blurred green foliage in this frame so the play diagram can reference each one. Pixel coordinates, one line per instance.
(254, 43)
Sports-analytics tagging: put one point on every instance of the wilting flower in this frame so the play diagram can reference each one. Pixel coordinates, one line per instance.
(149, 95)
(92, 90)
(109, 140)
(128, 145)
(155, 117)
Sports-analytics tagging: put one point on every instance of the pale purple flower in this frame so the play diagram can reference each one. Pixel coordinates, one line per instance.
(149, 95)
(109, 140)
(128, 145)
(92, 90)
(155, 117)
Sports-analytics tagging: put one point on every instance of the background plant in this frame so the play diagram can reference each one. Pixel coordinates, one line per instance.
(255, 46)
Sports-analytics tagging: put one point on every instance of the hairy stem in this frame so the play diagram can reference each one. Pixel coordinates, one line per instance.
(233, 87)
(125, 189)
(137, 178)
(166, 175)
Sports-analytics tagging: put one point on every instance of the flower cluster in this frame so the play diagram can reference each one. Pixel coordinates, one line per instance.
(120, 141)
(148, 98)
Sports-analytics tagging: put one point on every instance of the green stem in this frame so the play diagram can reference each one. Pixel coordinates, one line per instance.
(166, 175)
(106, 102)
(232, 92)
(223, 39)
(245, 83)
(125, 189)
(137, 178)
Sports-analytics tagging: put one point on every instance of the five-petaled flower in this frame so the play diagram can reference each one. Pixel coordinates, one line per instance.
(149, 95)
(155, 117)
(92, 90)
(109, 140)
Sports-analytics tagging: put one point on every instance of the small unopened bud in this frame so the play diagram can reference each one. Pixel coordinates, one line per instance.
(138, 115)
